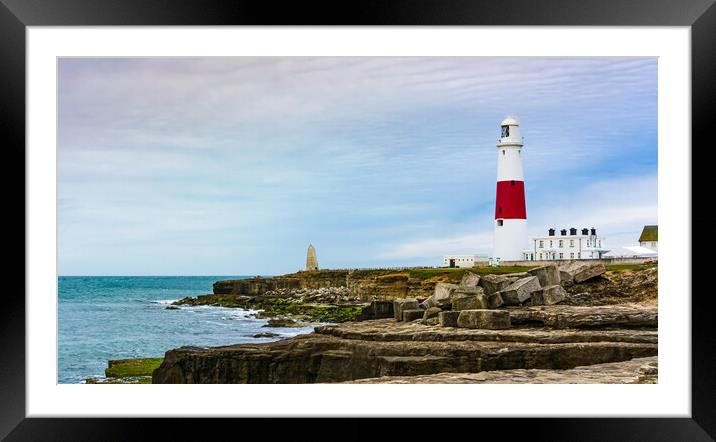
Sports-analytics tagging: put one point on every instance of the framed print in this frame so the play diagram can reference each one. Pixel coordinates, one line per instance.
(412, 210)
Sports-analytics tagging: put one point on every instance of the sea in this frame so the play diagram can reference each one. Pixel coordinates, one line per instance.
(118, 317)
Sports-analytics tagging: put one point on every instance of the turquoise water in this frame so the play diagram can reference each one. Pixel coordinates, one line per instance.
(117, 317)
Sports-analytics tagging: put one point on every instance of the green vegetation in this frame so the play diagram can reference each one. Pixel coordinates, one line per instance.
(125, 368)
(317, 312)
(279, 307)
(622, 267)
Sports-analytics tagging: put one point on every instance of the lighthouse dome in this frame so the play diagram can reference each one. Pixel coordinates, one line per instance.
(510, 121)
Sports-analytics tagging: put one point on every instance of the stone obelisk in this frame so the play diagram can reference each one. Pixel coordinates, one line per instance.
(311, 260)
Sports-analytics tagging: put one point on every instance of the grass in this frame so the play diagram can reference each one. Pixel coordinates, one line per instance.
(125, 368)
(622, 267)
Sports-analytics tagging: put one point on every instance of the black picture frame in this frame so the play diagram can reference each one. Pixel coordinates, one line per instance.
(16, 15)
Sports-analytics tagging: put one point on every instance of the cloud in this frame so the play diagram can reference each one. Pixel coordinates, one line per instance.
(244, 160)
(617, 208)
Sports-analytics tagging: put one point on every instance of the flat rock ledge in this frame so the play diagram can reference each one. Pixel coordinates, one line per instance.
(635, 371)
(380, 348)
(569, 316)
(387, 330)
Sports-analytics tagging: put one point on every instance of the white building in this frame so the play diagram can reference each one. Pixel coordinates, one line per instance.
(462, 260)
(566, 244)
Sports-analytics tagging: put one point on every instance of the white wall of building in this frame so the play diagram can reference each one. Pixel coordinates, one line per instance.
(463, 260)
(567, 247)
(653, 245)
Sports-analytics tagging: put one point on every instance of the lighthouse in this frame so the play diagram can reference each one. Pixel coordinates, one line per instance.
(510, 237)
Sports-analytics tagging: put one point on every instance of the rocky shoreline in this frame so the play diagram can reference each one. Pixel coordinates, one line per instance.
(463, 323)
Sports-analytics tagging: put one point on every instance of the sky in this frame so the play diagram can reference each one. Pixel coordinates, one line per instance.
(233, 165)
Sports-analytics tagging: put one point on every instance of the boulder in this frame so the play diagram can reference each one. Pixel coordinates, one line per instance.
(412, 314)
(431, 321)
(441, 296)
(566, 278)
(494, 300)
(520, 290)
(470, 302)
(431, 312)
(489, 319)
(588, 271)
(547, 275)
(399, 305)
(495, 283)
(463, 292)
(448, 319)
(549, 295)
(378, 309)
(577, 272)
(469, 280)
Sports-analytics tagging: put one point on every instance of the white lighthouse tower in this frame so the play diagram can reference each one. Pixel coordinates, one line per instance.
(510, 213)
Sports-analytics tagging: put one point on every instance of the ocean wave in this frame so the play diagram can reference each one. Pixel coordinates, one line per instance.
(164, 301)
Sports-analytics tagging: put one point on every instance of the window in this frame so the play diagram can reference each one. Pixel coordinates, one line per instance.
(571, 255)
(503, 151)
(579, 255)
(540, 256)
(499, 222)
(561, 256)
(571, 243)
(561, 243)
(550, 244)
(505, 132)
(541, 244)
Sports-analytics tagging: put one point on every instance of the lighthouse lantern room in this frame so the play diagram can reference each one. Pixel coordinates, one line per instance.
(510, 237)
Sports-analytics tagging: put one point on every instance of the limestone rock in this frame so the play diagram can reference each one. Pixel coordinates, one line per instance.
(470, 302)
(489, 319)
(367, 349)
(547, 275)
(431, 312)
(520, 290)
(378, 309)
(633, 371)
(566, 278)
(549, 295)
(399, 305)
(469, 280)
(495, 283)
(448, 319)
(441, 296)
(412, 314)
(431, 321)
(568, 316)
(579, 272)
(589, 271)
(494, 300)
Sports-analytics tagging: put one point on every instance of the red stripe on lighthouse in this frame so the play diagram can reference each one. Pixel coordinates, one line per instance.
(510, 200)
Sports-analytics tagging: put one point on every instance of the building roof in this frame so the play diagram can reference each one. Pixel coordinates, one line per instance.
(510, 121)
(650, 233)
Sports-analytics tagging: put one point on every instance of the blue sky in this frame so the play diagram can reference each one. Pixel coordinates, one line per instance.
(201, 166)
